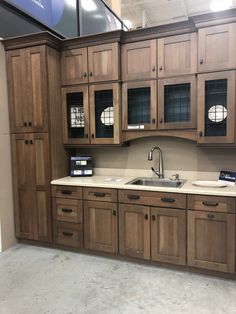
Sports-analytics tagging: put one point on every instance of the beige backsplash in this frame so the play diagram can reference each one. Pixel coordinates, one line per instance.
(178, 154)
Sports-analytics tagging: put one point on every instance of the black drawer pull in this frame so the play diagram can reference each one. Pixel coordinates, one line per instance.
(167, 199)
(208, 203)
(67, 210)
(67, 234)
(99, 194)
(66, 192)
(153, 217)
(211, 216)
(133, 197)
(146, 216)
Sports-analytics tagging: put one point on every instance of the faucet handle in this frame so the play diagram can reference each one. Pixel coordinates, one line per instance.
(175, 176)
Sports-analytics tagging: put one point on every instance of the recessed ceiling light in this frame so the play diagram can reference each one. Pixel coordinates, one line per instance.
(88, 5)
(220, 5)
(128, 23)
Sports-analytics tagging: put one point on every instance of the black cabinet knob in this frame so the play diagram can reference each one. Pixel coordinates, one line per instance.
(30, 123)
(93, 136)
(25, 123)
(153, 69)
(26, 142)
(211, 216)
(200, 133)
(85, 74)
(146, 216)
(160, 68)
(91, 73)
(114, 212)
(153, 217)
(86, 135)
(201, 61)
(153, 121)
(31, 142)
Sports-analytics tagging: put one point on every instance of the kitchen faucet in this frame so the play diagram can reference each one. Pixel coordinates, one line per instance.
(160, 171)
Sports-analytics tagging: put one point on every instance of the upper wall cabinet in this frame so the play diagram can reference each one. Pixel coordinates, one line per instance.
(217, 48)
(89, 65)
(139, 60)
(177, 55)
(216, 107)
(27, 78)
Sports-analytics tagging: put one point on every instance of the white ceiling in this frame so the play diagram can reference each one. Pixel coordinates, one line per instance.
(157, 12)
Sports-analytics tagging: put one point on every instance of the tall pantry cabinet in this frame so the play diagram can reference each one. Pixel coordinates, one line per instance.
(38, 156)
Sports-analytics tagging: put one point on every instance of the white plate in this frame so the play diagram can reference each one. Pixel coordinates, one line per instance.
(210, 184)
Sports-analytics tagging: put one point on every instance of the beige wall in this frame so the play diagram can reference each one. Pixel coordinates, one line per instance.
(178, 154)
(7, 238)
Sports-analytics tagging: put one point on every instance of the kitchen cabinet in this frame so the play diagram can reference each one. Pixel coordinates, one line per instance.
(68, 234)
(139, 60)
(134, 230)
(27, 85)
(91, 115)
(217, 48)
(177, 103)
(139, 105)
(168, 235)
(99, 63)
(30, 155)
(177, 55)
(216, 107)
(101, 226)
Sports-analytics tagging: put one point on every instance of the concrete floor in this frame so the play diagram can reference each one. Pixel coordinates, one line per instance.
(39, 280)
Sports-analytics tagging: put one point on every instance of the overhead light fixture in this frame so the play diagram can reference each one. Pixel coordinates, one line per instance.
(220, 5)
(88, 5)
(128, 23)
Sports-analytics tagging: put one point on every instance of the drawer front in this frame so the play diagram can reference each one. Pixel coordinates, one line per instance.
(65, 191)
(68, 234)
(68, 210)
(211, 203)
(157, 199)
(100, 194)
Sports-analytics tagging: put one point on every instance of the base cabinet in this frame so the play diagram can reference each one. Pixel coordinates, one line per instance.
(211, 240)
(101, 226)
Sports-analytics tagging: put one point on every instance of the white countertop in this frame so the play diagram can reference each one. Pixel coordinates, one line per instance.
(120, 183)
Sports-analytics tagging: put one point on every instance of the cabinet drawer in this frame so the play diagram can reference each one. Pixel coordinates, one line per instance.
(68, 210)
(211, 203)
(68, 234)
(66, 191)
(100, 194)
(157, 199)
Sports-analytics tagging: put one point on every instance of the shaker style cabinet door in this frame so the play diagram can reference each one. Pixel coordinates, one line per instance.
(217, 48)
(74, 66)
(134, 230)
(177, 55)
(216, 107)
(139, 60)
(211, 240)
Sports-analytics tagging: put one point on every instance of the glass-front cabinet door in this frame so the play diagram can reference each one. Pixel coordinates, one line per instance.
(216, 107)
(75, 112)
(105, 113)
(177, 106)
(139, 101)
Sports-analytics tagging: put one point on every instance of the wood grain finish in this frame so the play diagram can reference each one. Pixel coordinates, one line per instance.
(153, 105)
(68, 234)
(103, 62)
(192, 123)
(100, 194)
(177, 55)
(67, 210)
(211, 241)
(168, 235)
(134, 231)
(101, 226)
(139, 60)
(217, 48)
(231, 84)
(160, 199)
(211, 203)
(66, 191)
(74, 66)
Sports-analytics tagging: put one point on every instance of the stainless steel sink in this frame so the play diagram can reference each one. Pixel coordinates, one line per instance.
(168, 183)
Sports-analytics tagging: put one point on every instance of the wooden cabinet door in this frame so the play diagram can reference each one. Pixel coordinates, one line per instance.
(74, 66)
(177, 103)
(105, 113)
(103, 63)
(21, 165)
(216, 107)
(177, 55)
(18, 102)
(134, 230)
(40, 174)
(217, 48)
(37, 89)
(101, 226)
(211, 240)
(168, 235)
(139, 60)
(139, 106)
